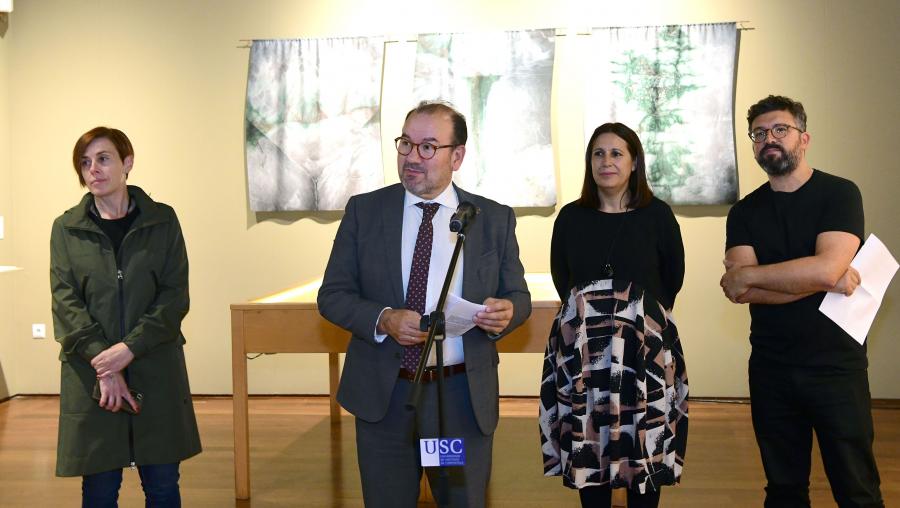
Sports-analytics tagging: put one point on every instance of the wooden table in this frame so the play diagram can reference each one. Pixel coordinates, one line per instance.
(289, 322)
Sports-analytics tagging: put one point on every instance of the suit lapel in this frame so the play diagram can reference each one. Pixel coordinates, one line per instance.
(392, 229)
(471, 251)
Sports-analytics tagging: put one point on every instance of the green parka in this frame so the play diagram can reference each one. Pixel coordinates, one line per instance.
(139, 299)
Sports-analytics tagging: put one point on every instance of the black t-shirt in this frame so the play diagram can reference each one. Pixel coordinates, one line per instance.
(781, 226)
(643, 246)
(115, 229)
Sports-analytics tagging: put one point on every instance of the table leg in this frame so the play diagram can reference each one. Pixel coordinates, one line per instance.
(240, 408)
(619, 498)
(334, 377)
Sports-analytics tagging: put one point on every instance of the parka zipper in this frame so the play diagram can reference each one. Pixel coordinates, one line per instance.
(120, 276)
(121, 280)
(121, 283)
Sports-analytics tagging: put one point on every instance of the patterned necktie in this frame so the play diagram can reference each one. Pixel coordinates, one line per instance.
(418, 278)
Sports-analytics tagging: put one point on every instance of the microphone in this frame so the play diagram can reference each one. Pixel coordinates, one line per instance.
(465, 214)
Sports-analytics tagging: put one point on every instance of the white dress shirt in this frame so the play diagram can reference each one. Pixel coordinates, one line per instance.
(442, 245)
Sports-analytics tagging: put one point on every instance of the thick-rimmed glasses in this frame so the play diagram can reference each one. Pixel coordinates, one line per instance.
(426, 150)
(778, 131)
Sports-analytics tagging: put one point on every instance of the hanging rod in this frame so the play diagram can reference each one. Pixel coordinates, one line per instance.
(246, 43)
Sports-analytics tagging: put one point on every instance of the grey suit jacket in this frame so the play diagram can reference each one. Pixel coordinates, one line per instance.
(364, 276)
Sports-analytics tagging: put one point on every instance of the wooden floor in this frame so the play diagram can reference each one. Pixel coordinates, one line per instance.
(299, 459)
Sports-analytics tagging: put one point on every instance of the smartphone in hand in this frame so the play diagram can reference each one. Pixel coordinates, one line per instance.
(136, 395)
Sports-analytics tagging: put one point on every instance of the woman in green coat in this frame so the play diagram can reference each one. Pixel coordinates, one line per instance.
(119, 281)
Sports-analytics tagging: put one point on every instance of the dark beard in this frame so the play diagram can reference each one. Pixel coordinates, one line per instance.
(777, 166)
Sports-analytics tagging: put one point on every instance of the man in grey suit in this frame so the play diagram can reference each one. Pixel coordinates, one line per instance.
(375, 287)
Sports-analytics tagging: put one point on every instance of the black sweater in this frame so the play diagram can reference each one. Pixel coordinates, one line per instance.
(643, 246)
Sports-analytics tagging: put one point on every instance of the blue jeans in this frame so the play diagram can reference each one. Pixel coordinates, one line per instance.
(159, 481)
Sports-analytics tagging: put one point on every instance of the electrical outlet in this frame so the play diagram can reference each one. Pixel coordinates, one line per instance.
(38, 331)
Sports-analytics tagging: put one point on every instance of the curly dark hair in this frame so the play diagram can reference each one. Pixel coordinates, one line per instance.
(778, 103)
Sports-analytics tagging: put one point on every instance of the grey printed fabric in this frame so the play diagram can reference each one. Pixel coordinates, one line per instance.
(614, 390)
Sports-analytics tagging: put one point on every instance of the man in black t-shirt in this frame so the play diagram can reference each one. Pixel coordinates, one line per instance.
(788, 243)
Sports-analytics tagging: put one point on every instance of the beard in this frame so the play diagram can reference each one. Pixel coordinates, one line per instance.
(427, 184)
(774, 165)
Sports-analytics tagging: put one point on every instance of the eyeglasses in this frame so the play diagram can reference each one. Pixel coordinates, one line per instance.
(779, 131)
(426, 150)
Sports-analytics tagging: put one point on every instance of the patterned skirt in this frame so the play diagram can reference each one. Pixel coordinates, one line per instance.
(614, 390)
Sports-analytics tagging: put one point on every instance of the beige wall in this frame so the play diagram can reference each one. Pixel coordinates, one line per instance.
(171, 75)
(7, 344)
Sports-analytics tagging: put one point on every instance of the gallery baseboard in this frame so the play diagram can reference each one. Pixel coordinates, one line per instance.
(876, 403)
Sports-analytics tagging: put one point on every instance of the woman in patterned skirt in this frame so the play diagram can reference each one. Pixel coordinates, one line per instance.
(614, 386)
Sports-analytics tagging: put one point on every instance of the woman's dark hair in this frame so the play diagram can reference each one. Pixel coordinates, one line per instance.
(638, 189)
(115, 136)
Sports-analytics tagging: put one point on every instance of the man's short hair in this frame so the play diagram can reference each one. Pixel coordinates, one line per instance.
(460, 132)
(778, 103)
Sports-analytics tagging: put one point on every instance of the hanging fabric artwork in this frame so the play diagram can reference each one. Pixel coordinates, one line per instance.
(674, 85)
(501, 82)
(312, 122)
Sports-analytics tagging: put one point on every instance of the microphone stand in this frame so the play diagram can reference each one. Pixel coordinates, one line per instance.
(435, 324)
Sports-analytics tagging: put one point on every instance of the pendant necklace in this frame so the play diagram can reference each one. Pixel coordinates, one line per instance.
(608, 271)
